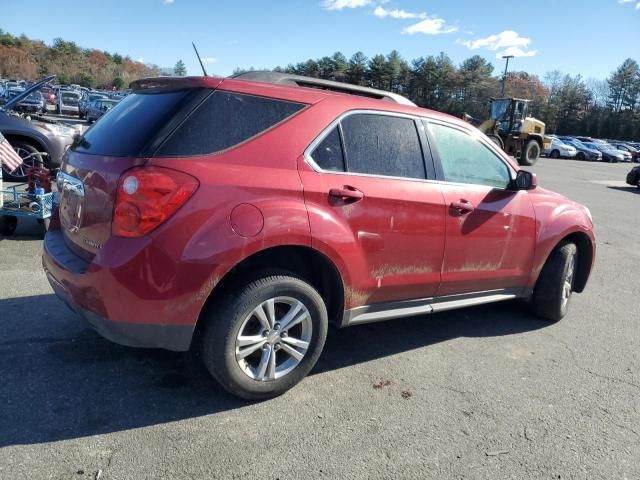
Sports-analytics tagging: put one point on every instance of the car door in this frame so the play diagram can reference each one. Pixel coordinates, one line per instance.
(373, 209)
(491, 229)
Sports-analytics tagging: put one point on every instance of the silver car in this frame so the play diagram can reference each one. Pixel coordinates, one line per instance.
(28, 135)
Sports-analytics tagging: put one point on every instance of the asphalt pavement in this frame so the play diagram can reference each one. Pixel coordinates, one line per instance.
(482, 393)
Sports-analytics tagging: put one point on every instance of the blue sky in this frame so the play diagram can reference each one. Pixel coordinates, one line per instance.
(591, 37)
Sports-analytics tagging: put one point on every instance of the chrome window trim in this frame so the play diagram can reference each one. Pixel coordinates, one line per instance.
(416, 118)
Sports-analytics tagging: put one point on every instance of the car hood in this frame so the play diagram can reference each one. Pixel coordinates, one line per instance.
(18, 98)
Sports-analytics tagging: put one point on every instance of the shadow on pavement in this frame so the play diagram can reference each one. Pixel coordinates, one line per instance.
(631, 189)
(60, 380)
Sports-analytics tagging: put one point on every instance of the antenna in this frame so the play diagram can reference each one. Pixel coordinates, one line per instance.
(199, 59)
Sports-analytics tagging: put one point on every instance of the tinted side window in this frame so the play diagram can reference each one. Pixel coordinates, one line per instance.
(466, 160)
(382, 145)
(224, 120)
(328, 154)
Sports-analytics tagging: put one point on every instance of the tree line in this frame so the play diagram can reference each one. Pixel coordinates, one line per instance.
(568, 104)
(27, 59)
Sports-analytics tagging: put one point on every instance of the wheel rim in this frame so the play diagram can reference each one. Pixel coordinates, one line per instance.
(273, 339)
(568, 282)
(21, 171)
(533, 152)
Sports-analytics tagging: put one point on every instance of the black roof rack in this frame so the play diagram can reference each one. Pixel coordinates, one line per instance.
(300, 81)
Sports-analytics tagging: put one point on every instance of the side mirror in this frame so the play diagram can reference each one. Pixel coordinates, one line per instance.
(525, 181)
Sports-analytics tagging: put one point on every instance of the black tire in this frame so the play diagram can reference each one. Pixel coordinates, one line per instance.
(581, 156)
(8, 225)
(57, 110)
(226, 317)
(22, 148)
(555, 154)
(550, 296)
(530, 154)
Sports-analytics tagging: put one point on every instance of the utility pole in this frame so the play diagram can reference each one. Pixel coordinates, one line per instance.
(506, 68)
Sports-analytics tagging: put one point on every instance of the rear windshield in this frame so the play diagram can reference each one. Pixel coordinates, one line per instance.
(224, 120)
(128, 128)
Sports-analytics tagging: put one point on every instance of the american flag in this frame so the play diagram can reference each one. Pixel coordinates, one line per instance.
(8, 156)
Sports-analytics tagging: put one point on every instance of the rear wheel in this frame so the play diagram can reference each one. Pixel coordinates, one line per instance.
(581, 156)
(263, 341)
(8, 225)
(554, 287)
(530, 153)
(555, 154)
(23, 149)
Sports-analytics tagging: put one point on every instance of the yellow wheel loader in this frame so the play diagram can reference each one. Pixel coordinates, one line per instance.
(512, 130)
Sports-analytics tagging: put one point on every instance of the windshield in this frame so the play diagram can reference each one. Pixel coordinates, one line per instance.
(13, 93)
(499, 109)
(96, 97)
(107, 104)
(35, 97)
(70, 98)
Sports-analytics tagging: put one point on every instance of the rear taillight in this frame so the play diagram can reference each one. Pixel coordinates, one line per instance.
(147, 196)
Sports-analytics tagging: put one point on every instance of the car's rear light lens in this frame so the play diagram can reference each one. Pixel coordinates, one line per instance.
(147, 196)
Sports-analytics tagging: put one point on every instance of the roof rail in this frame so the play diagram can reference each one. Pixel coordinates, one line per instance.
(310, 82)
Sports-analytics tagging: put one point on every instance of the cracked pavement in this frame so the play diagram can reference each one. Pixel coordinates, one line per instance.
(482, 393)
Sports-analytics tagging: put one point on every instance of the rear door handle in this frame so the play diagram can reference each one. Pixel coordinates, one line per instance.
(346, 194)
(461, 207)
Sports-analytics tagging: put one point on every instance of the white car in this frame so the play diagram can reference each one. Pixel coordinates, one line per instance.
(558, 149)
(67, 102)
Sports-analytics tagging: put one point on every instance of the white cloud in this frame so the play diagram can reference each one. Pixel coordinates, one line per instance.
(209, 60)
(381, 12)
(504, 43)
(430, 26)
(341, 4)
(167, 2)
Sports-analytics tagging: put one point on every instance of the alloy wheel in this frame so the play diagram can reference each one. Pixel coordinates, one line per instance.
(273, 339)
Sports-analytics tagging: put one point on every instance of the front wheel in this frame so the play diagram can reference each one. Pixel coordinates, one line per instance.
(261, 342)
(530, 153)
(23, 149)
(581, 156)
(554, 287)
(555, 154)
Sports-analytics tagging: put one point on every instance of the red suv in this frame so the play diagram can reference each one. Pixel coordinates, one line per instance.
(251, 214)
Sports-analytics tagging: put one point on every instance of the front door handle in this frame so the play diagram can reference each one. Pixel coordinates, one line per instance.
(346, 194)
(461, 207)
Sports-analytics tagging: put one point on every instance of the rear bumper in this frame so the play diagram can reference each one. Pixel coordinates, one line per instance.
(79, 284)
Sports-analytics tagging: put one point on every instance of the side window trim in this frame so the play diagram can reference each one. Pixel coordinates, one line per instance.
(436, 154)
(421, 133)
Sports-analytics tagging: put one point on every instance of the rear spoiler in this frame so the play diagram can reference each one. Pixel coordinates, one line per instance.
(174, 83)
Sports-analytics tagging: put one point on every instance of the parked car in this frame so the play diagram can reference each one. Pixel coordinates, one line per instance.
(633, 177)
(625, 147)
(49, 95)
(583, 152)
(559, 149)
(259, 213)
(67, 102)
(10, 93)
(33, 103)
(30, 136)
(86, 99)
(99, 107)
(609, 154)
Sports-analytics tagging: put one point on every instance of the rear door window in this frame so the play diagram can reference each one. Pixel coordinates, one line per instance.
(383, 145)
(224, 120)
(328, 154)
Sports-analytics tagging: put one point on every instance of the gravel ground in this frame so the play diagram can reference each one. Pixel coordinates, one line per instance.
(482, 393)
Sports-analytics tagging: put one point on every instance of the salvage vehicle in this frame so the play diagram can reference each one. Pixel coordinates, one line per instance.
(609, 154)
(67, 102)
(583, 152)
(86, 99)
(244, 215)
(29, 135)
(559, 149)
(98, 108)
